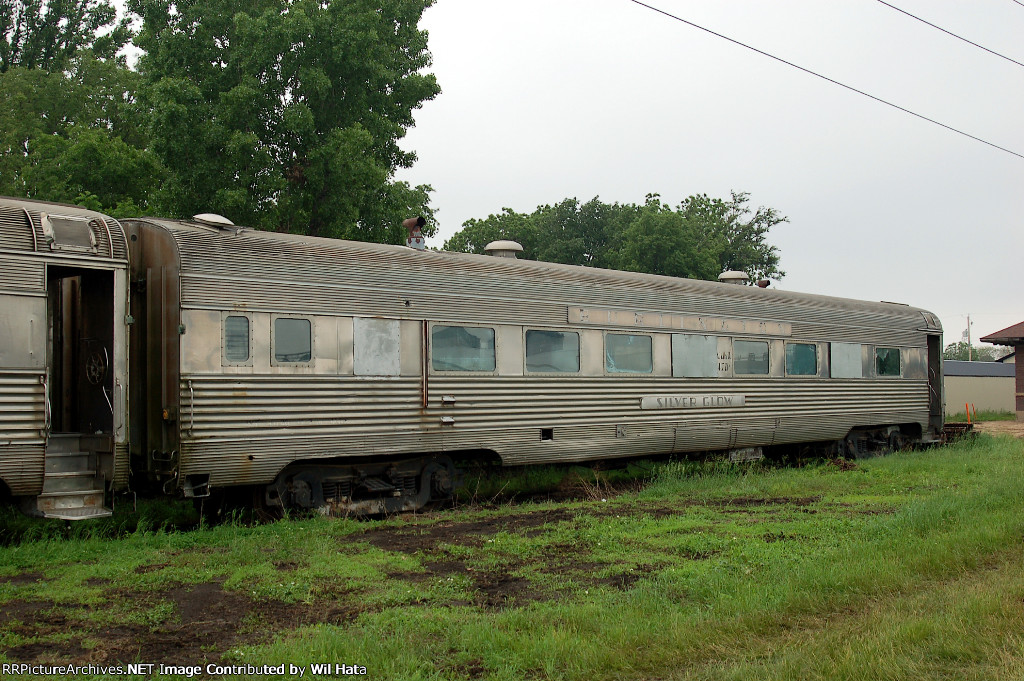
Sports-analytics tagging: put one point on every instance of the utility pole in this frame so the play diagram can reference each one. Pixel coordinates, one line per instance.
(970, 348)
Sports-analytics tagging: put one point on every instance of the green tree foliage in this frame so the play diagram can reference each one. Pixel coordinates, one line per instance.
(76, 132)
(700, 238)
(47, 35)
(287, 115)
(962, 351)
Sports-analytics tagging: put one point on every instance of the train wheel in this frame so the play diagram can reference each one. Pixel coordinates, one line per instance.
(263, 510)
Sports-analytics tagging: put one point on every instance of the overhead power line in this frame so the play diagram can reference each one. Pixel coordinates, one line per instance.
(969, 42)
(831, 80)
(1019, 2)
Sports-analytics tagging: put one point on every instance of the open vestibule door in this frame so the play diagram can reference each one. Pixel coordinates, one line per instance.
(85, 389)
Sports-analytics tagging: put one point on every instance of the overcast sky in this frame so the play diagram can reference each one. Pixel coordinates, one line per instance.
(547, 100)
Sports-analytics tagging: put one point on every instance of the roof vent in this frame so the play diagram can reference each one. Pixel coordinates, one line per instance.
(733, 277)
(503, 249)
(213, 220)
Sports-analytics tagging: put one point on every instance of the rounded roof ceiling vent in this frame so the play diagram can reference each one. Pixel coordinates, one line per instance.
(503, 249)
(213, 219)
(733, 277)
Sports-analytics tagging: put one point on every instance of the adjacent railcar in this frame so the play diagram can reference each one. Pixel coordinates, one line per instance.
(63, 358)
(354, 377)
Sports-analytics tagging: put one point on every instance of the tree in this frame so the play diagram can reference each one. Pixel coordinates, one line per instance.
(288, 115)
(700, 238)
(46, 35)
(663, 241)
(962, 351)
(506, 225)
(76, 132)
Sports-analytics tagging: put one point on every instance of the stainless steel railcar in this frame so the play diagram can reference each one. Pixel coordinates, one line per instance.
(334, 374)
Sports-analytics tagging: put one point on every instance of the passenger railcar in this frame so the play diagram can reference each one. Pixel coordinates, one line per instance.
(354, 376)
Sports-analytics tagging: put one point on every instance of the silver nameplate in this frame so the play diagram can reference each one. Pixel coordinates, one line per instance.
(692, 401)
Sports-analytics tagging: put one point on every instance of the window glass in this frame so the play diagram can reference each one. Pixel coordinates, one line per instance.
(750, 357)
(887, 361)
(628, 354)
(293, 340)
(552, 351)
(236, 339)
(695, 356)
(801, 359)
(462, 348)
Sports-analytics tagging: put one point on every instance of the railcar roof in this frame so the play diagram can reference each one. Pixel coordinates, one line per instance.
(308, 256)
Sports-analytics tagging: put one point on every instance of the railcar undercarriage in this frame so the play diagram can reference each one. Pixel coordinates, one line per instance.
(371, 488)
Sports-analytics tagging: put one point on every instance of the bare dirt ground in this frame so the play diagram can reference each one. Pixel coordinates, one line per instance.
(1014, 428)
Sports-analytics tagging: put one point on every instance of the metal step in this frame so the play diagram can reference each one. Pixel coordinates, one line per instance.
(73, 505)
(67, 462)
(70, 481)
(63, 442)
(84, 513)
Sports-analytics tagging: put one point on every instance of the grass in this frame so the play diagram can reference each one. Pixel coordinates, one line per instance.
(983, 415)
(906, 566)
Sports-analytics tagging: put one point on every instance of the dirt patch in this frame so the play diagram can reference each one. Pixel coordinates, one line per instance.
(500, 590)
(24, 578)
(843, 464)
(743, 502)
(469, 533)
(22, 611)
(204, 621)
(1014, 428)
(145, 569)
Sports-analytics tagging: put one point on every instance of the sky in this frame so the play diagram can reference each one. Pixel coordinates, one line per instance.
(554, 99)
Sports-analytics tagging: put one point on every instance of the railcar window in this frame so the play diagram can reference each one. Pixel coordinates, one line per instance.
(846, 361)
(462, 348)
(695, 356)
(750, 357)
(552, 351)
(801, 359)
(236, 339)
(293, 340)
(628, 354)
(887, 361)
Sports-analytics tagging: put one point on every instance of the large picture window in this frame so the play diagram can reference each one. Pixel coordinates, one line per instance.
(552, 351)
(628, 354)
(462, 348)
(801, 359)
(750, 357)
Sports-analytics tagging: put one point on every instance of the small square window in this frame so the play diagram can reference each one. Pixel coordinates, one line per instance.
(462, 348)
(750, 357)
(887, 361)
(628, 354)
(293, 340)
(552, 351)
(801, 359)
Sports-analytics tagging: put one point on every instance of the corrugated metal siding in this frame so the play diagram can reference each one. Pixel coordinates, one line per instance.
(22, 274)
(278, 419)
(121, 467)
(15, 230)
(279, 272)
(21, 421)
(17, 233)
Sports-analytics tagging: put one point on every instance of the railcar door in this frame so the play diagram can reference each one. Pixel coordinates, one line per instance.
(84, 390)
(935, 386)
